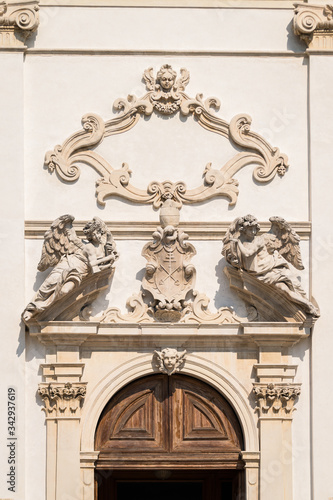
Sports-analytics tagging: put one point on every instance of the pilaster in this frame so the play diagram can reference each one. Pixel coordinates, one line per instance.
(17, 21)
(63, 403)
(314, 23)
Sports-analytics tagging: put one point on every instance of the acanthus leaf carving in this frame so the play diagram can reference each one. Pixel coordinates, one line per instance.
(166, 96)
(276, 400)
(62, 400)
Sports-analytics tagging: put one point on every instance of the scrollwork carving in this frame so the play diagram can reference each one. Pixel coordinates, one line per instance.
(169, 282)
(17, 22)
(166, 96)
(314, 25)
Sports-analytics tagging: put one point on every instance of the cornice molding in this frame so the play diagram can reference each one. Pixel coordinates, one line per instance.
(314, 25)
(17, 21)
(142, 230)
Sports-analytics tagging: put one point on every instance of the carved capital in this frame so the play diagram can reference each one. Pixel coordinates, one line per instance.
(276, 400)
(17, 21)
(314, 25)
(62, 400)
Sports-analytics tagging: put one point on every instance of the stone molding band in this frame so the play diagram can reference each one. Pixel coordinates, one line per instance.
(123, 230)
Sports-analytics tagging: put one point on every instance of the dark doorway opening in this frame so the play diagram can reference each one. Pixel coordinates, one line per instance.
(168, 484)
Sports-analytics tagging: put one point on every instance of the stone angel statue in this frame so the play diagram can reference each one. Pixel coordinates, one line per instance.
(267, 257)
(71, 259)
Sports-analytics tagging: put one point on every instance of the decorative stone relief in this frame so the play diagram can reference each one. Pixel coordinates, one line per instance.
(168, 282)
(314, 25)
(260, 269)
(169, 272)
(17, 21)
(62, 400)
(80, 269)
(166, 96)
(276, 400)
(169, 360)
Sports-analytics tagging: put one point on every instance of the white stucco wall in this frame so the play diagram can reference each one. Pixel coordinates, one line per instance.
(252, 62)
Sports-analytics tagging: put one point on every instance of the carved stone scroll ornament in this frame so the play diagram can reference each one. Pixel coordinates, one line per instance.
(314, 25)
(62, 400)
(169, 360)
(276, 400)
(17, 21)
(168, 282)
(260, 269)
(80, 269)
(166, 96)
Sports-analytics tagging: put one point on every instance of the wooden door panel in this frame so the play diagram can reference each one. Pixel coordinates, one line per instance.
(135, 420)
(202, 421)
(163, 421)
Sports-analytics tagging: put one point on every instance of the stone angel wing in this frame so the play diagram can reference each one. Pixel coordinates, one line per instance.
(229, 250)
(183, 79)
(149, 79)
(286, 241)
(59, 240)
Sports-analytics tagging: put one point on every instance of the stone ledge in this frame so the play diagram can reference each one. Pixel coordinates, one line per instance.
(97, 335)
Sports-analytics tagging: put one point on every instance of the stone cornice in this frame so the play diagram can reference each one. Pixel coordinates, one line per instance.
(314, 25)
(142, 230)
(94, 335)
(17, 21)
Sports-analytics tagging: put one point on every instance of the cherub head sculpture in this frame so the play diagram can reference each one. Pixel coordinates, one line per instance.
(170, 360)
(166, 77)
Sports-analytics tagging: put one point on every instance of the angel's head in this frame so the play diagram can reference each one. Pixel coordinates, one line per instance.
(248, 226)
(94, 230)
(170, 358)
(166, 77)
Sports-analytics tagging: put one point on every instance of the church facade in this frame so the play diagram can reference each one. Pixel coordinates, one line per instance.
(167, 249)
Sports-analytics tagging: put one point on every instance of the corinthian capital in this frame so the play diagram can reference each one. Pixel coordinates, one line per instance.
(17, 21)
(276, 400)
(314, 25)
(62, 400)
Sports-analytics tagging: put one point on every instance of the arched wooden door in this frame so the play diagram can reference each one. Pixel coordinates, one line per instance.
(176, 431)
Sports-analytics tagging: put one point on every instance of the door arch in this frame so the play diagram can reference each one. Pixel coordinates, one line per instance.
(177, 424)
